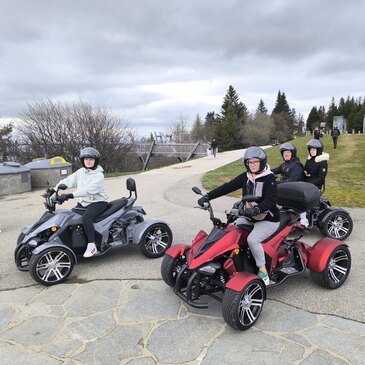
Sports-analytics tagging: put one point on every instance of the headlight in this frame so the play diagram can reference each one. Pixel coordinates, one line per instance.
(32, 243)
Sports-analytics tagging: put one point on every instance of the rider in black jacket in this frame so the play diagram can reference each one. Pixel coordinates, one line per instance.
(316, 166)
(291, 169)
(259, 181)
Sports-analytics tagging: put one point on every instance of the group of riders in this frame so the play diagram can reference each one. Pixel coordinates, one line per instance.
(259, 180)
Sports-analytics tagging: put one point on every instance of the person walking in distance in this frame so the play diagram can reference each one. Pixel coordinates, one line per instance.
(214, 146)
(317, 133)
(335, 134)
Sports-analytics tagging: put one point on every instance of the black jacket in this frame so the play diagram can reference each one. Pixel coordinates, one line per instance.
(317, 134)
(335, 133)
(290, 170)
(264, 187)
(317, 168)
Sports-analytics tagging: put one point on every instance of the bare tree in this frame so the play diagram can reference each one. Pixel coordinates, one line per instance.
(54, 128)
(258, 130)
(179, 130)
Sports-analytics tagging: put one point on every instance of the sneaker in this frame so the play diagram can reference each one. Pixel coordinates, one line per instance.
(90, 250)
(264, 277)
(304, 222)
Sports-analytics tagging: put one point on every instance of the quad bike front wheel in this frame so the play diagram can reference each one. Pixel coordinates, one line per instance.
(170, 268)
(337, 225)
(51, 266)
(156, 240)
(336, 271)
(242, 309)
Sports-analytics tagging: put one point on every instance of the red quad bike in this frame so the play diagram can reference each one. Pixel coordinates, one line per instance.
(220, 264)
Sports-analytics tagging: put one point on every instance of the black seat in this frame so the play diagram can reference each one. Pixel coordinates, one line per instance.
(111, 208)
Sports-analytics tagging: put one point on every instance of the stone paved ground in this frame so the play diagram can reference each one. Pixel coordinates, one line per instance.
(142, 322)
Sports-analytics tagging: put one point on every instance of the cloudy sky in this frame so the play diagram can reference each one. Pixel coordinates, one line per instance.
(152, 61)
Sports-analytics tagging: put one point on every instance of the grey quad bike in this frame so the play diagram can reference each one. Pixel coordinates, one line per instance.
(49, 248)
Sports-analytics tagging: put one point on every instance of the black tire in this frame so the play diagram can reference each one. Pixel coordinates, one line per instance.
(21, 257)
(242, 309)
(168, 270)
(337, 225)
(336, 271)
(51, 266)
(156, 240)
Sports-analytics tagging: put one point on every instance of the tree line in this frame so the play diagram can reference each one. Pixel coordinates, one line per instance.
(51, 128)
(352, 109)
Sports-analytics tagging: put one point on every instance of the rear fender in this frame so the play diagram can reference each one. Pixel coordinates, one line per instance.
(321, 251)
(241, 279)
(178, 250)
(324, 215)
(140, 228)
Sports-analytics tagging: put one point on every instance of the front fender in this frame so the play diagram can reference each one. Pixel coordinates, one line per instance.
(241, 279)
(54, 243)
(321, 251)
(178, 250)
(140, 228)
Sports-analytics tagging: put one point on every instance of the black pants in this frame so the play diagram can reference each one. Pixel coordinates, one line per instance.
(334, 142)
(92, 211)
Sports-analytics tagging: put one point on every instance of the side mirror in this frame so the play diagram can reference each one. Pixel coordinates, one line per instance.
(196, 190)
(131, 185)
(62, 187)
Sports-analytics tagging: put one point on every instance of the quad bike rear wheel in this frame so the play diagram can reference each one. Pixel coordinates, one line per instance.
(337, 225)
(52, 265)
(336, 271)
(156, 240)
(242, 309)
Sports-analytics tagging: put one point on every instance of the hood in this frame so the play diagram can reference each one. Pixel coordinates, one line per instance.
(323, 157)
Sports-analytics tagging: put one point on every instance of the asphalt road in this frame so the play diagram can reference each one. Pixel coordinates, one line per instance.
(166, 194)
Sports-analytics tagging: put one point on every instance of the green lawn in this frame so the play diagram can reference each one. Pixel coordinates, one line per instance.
(345, 182)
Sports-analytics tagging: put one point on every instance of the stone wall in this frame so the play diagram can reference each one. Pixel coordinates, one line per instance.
(15, 183)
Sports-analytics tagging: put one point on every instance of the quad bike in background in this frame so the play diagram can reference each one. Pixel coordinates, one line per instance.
(332, 221)
(220, 264)
(49, 248)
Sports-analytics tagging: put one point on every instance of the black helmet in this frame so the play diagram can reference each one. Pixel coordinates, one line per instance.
(315, 143)
(90, 152)
(288, 147)
(255, 152)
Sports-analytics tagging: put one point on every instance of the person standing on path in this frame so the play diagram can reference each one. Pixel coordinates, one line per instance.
(214, 146)
(335, 134)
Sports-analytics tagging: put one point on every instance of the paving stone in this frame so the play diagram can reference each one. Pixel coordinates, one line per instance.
(23, 295)
(347, 345)
(14, 355)
(148, 301)
(89, 328)
(142, 361)
(299, 339)
(182, 340)
(30, 310)
(6, 314)
(92, 298)
(323, 358)
(279, 317)
(57, 311)
(121, 343)
(251, 347)
(63, 348)
(345, 325)
(37, 330)
(56, 294)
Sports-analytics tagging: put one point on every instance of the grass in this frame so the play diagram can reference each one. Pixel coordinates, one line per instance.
(345, 182)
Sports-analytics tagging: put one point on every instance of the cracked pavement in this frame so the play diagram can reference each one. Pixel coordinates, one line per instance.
(115, 309)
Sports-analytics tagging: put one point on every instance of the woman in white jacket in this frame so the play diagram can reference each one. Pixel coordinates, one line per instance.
(89, 184)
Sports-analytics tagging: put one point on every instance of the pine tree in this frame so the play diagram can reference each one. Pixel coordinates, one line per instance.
(261, 108)
(197, 131)
(313, 119)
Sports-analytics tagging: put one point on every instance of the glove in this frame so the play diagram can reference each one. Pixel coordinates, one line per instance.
(64, 197)
(251, 212)
(203, 199)
(49, 193)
